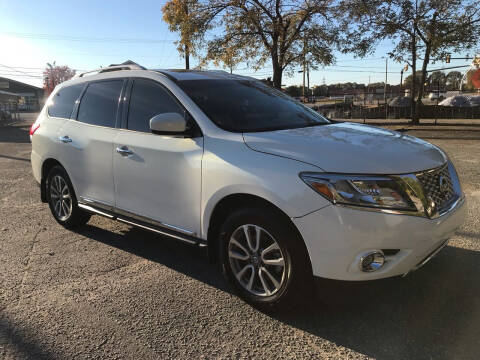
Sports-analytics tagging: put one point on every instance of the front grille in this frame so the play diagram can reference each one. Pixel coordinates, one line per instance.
(432, 182)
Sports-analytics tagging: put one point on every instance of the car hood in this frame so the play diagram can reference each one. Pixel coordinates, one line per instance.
(350, 148)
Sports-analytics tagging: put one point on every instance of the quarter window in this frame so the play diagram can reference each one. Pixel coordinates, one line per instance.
(147, 100)
(64, 101)
(99, 104)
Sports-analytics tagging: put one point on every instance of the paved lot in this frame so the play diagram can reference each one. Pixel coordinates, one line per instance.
(111, 291)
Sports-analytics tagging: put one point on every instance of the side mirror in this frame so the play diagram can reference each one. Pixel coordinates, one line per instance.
(168, 123)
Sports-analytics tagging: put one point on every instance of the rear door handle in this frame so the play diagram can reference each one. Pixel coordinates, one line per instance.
(65, 139)
(124, 150)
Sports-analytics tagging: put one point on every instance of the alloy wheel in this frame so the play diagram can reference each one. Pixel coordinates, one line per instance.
(256, 260)
(61, 198)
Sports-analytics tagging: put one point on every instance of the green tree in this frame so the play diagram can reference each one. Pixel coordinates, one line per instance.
(430, 28)
(185, 18)
(321, 90)
(280, 32)
(437, 79)
(294, 90)
(453, 79)
(407, 82)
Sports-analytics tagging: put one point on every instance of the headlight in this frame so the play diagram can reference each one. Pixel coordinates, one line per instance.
(370, 191)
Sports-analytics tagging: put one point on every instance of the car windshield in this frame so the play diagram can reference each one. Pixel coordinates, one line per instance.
(249, 105)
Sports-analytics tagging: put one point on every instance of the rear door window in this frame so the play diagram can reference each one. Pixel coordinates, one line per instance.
(64, 101)
(99, 104)
(147, 100)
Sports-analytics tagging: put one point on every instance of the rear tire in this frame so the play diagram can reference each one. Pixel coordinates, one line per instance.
(62, 200)
(264, 259)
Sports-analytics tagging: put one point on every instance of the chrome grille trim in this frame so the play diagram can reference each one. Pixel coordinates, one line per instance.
(432, 186)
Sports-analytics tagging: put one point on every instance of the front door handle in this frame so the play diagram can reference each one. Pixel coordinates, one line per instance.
(124, 150)
(65, 139)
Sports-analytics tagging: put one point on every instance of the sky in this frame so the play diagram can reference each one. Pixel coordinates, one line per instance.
(88, 34)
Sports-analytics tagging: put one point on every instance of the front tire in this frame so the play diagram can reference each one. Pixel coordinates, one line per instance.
(264, 259)
(62, 200)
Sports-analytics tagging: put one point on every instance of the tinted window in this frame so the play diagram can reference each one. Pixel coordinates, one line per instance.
(64, 101)
(149, 99)
(249, 105)
(100, 102)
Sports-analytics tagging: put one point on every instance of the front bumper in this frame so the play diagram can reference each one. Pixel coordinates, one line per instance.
(337, 236)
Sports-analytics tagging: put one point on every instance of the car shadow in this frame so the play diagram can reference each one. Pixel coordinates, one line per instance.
(432, 313)
(15, 134)
(14, 158)
(182, 257)
(22, 341)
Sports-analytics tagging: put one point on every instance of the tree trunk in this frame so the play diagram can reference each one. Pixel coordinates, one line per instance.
(277, 74)
(426, 60)
(187, 57)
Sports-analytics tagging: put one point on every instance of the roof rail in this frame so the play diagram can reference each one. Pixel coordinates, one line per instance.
(217, 71)
(129, 65)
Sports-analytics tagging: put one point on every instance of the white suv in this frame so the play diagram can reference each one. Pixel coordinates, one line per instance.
(277, 192)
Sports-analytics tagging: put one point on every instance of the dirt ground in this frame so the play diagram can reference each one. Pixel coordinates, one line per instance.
(111, 291)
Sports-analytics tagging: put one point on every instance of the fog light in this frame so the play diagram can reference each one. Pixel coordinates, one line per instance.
(372, 261)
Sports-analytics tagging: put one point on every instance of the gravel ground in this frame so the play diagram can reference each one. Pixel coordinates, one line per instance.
(111, 291)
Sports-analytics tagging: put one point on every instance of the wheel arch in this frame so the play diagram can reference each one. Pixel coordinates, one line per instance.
(47, 165)
(231, 202)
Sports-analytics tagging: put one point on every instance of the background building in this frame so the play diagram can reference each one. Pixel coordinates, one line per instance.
(30, 97)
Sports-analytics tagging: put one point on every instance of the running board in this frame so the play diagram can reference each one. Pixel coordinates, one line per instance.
(144, 225)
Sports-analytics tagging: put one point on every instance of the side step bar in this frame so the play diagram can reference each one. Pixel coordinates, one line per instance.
(144, 225)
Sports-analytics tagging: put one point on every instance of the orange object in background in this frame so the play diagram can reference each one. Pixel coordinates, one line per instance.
(476, 79)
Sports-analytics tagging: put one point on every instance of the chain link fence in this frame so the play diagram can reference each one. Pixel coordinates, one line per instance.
(396, 106)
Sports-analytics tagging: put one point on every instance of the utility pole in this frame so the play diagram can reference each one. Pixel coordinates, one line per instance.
(385, 88)
(405, 68)
(436, 105)
(413, 106)
(186, 47)
(304, 63)
(308, 82)
(368, 86)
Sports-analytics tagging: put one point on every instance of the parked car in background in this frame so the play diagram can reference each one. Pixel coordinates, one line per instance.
(5, 115)
(437, 95)
(461, 101)
(278, 193)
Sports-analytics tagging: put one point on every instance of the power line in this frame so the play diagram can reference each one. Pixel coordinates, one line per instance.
(84, 38)
(354, 66)
(22, 75)
(105, 55)
(12, 68)
(360, 71)
(40, 69)
(367, 59)
(22, 67)
(448, 68)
